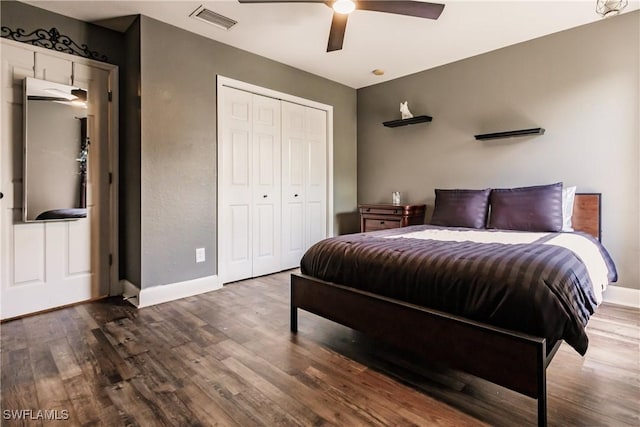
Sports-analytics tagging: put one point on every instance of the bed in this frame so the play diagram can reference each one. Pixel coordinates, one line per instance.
(512, 355)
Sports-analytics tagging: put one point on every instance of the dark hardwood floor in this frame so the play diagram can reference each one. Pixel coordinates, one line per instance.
(228, 358)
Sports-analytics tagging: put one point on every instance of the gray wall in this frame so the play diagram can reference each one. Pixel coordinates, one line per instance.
(130, 221)
(178, 149)
(582, 85)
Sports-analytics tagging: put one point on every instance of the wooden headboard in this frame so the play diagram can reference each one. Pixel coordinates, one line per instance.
(586, 213)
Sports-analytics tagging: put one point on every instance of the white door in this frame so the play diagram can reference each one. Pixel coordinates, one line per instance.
(42, 264)
(249, 188)
(235, 195)
(266, 185)
(294, 158)
(316, 177)
(304, 180)
(98, 219)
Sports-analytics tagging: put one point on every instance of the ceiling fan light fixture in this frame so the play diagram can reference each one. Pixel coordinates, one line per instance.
(609, 8)
(344, 6)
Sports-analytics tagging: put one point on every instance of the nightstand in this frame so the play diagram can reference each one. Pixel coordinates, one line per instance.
(384, 216)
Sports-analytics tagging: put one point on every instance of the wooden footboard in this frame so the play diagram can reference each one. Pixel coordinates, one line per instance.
(510, 359)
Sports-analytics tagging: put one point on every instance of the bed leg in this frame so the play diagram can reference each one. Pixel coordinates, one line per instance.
(542, 411)
(542, 394)
(294, 319)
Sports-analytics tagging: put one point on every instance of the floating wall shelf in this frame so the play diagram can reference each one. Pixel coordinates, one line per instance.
(510, 134)
(404, 122)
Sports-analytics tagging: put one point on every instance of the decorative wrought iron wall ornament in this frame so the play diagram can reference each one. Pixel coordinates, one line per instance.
(51, 39)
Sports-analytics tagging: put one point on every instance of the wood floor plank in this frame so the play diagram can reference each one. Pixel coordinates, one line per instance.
(18, 384)
(228, 358)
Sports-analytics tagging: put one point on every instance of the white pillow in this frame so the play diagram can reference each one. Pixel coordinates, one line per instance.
(568, 194)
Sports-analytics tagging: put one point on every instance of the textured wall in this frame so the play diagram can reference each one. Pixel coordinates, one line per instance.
(130, 159)
(582, 85)
(179, 142)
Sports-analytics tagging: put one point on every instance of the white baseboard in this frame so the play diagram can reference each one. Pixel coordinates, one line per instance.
(173, 291)
(622, 296)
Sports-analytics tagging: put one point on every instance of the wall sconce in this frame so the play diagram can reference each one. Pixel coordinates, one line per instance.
(609, 8)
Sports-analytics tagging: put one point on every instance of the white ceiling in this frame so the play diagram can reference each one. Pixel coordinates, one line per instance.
(296, 33)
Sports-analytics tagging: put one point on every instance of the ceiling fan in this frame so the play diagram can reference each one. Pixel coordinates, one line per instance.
(342, 9)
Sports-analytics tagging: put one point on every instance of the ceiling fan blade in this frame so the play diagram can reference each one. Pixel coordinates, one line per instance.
(402, 7)
(281, 1)
(336, 33)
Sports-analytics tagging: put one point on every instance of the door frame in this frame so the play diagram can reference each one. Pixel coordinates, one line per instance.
(115, 287)
(222, 81)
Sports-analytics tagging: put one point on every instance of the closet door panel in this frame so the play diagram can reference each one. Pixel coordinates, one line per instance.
(316, 176)
(295, 160)
(267, 200)
(236, 197)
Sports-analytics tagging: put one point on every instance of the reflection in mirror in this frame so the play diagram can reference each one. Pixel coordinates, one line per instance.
(56, 149)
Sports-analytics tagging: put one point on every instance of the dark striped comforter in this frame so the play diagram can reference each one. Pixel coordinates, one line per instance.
(543, 290)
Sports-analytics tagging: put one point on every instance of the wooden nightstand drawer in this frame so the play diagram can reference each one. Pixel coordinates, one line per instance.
(382, 211)
(373, 224)
(384, 216)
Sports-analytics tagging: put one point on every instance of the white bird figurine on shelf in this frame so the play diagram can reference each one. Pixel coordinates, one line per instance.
(404, 110)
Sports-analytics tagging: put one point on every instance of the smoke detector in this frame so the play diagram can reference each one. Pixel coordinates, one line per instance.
(609, 8)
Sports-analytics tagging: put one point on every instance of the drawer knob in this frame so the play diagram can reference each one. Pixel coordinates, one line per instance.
(381, 222)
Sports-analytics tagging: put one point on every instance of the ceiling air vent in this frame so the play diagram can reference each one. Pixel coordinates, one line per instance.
(211, 17)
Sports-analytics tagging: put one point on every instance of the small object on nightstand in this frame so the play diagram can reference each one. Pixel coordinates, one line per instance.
(383, 216)
(395, 197)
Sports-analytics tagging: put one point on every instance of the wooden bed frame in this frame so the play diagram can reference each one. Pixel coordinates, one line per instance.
(511, 359)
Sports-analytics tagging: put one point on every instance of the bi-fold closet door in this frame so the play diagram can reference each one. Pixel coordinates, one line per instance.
(271, 182)
(304, 180)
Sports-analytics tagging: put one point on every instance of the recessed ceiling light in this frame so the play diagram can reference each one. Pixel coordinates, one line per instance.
(378, 72)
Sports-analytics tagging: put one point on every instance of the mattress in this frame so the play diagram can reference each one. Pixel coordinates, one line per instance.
(543, 284)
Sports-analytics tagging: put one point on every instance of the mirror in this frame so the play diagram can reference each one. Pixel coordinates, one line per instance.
(56, 149)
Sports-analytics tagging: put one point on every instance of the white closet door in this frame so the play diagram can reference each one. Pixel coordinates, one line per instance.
(235, 192)
(250, 185)
(266, 185)
(316, 182)
(43, 264)
(294, 161)
(304, 180)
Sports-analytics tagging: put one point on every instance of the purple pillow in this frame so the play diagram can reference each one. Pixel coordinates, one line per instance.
(537, 208)
(461, 208)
